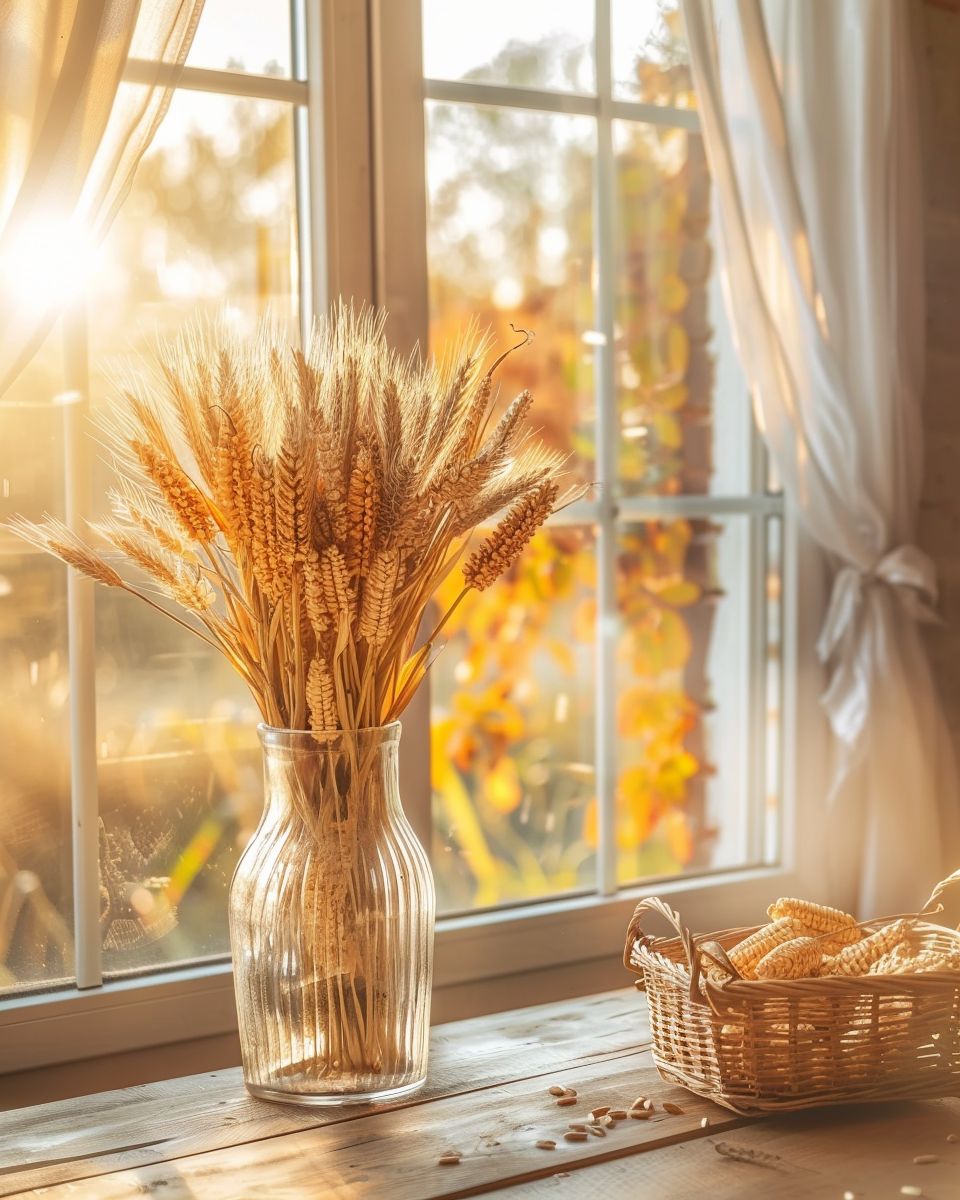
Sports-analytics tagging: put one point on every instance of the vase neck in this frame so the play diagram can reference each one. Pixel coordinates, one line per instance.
(338, 776)
(306, 743)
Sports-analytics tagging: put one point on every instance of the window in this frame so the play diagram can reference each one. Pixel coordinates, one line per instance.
(610, 714)
(167, 780)
(621, 709)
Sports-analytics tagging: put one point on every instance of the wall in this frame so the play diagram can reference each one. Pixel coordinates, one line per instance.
(940, 505)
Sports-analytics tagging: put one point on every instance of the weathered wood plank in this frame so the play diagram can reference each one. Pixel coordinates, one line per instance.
(153, 1123)
(395, 1152)
(867, 1150)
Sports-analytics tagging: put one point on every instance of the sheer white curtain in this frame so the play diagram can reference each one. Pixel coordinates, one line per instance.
(71, 135)
(809, 118)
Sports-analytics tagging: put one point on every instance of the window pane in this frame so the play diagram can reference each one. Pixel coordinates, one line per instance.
(537, 44)
(180, 787)
(210, 222)
(512, 732)
(243, 35)
(650, 59)
(687, 721)
(511, 240)
(36, 902)
(683, 405)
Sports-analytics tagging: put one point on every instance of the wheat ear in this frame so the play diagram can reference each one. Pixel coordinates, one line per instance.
(503, 547)
(58, 539)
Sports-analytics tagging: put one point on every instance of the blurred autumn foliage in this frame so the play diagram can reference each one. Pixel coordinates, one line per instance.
(512, 241)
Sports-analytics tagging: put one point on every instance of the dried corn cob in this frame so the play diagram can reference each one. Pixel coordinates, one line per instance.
(818, 918)
(893, 959)
(746, 954)
(835, 942)
(860, 957)
(797, 959)
(928, 960)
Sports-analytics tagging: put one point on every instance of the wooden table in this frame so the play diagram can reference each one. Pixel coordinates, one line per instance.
(203, 1137)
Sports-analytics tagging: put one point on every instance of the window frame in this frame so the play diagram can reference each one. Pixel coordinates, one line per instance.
(363, 94)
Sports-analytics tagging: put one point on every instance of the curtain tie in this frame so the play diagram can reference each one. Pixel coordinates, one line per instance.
(911, 577)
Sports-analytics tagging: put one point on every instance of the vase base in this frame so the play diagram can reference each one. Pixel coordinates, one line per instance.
(333, 1099)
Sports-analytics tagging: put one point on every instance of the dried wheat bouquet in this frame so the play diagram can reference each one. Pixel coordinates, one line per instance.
(302, 507)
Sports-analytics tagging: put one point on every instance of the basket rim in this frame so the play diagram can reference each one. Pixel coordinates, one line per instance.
(649, 956)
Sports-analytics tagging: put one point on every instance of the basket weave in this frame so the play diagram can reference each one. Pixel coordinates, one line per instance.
(762, 1046)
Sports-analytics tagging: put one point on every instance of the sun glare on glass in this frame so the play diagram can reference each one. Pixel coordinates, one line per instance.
(48, 262)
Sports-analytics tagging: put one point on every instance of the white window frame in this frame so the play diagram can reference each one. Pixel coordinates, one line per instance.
(363, 94)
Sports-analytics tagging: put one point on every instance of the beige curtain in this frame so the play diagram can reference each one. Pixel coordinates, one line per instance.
(811, 128)
(71, 135)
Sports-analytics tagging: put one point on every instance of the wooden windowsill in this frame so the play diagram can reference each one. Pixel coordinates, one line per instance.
(205, 1138)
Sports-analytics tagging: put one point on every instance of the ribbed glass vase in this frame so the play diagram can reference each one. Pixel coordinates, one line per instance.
(331, 925)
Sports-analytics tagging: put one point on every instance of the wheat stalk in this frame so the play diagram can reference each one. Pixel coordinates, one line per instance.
(55, 537)
(302, 507)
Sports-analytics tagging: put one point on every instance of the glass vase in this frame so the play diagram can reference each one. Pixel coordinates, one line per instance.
(331, 925)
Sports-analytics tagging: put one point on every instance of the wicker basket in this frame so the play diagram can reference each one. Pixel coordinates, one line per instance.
(760, 1046)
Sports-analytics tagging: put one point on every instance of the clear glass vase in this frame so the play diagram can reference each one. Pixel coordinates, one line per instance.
(331, 925)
